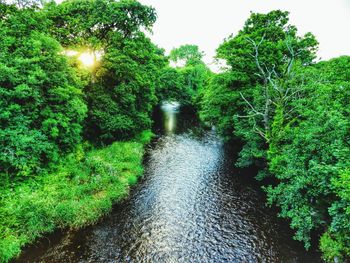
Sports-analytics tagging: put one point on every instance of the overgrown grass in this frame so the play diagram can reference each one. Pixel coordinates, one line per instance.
(77, 193)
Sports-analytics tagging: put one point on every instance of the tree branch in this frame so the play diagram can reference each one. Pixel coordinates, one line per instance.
(251, 106)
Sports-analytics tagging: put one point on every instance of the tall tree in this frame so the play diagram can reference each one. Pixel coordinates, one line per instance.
(41, 101)
(122, 90)
(123, 96)
(89, 23)
(261, 57)
(309, 155)
(192, 73)
(292, 116)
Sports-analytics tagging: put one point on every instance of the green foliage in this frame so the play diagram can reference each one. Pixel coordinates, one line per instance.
(259, 57)
(336, 241)
(189, 54)
(89, 23)
(277, 42)
(23, 3)
(333, 247)
(45, 99)
(220, 103)
(47, 179)
(261, 50)
(41, 106)
(292, 117)
(305, 161)
(195, 78)
(75, 194)
(123, 95)
(172, 88)
(145, 137)
(121, 92)
(186, 83)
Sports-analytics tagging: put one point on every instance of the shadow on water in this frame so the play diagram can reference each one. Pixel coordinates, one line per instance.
(190, 206)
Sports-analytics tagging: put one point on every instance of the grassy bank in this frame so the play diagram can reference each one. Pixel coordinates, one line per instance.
(81, 190)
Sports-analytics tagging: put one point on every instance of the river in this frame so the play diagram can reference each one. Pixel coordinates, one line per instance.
(190, 206)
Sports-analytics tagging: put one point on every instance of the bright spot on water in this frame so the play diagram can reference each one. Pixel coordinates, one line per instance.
(170, 110)
(170, 106)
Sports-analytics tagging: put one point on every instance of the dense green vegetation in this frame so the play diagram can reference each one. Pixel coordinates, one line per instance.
(68, 130)
(186, 82)
(41, 103)
(75, 194)
(122, 97)
(121, 90)
(292, 115)
(45, 97)
(52, 103)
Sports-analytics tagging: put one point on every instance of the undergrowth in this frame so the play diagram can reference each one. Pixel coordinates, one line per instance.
(76, 193)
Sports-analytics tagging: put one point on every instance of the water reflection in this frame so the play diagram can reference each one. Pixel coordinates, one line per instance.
(170, 111)
(191, 206)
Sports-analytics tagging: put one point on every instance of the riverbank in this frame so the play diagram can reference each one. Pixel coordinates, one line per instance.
(78, 193)
(192, 205)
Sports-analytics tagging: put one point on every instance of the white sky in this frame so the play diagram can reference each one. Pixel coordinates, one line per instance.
(206, 22)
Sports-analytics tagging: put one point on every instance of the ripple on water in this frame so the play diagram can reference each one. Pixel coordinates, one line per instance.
(188, 208)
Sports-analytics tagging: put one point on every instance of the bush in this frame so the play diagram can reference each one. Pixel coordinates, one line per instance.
(41, 105)
(77, 193)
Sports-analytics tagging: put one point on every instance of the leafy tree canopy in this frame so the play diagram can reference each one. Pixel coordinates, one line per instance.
(189, 54)
(41, 106)
(292, 117)
(90, 23)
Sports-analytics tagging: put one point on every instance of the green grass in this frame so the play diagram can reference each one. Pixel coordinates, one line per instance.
(77, 193)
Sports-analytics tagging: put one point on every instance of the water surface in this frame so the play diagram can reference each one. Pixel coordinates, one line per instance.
(191, 206)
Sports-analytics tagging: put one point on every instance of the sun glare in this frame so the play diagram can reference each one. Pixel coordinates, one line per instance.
(87, 59)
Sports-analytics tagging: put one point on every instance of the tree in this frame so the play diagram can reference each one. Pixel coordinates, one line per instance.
(275, 100)
(220, 103)
(266, 49)
(309, 156)
(23, 3)
(171, 87)
(41, 104)
(88, 24)
(191, 77)
(304, 160)
(123, 96)
(189, 54)
(121, 93)
(261, 57)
